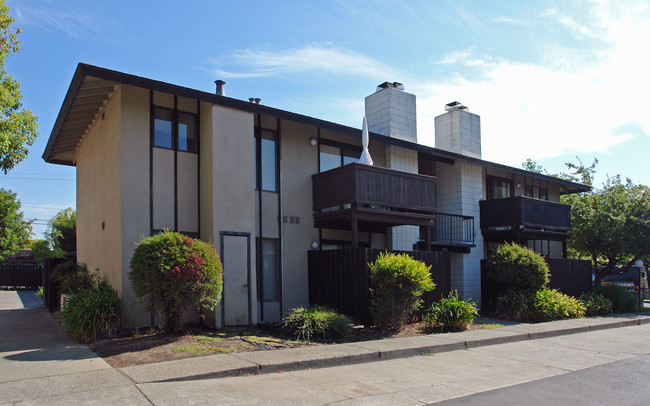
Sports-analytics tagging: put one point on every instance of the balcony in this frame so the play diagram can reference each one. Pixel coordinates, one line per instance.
(451, 231)
(524, 218)
(359, 197)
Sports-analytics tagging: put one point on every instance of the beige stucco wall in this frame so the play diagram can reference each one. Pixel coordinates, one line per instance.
(227, 164)
(299, 162)
(135, 187)
(99, 194)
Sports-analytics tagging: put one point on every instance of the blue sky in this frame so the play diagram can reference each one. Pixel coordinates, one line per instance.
(551, 80)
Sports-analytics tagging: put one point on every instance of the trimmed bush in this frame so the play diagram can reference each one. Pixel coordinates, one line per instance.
(173, 272)
(316, 323)
(450, 313)
(517, 268)
(622, 301)
(596, 304)
(514, 305)
(93, 313)
(551, 304)
(73, 278)
(398, 282)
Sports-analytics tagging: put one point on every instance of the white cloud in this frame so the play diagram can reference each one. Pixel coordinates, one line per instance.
(76, 25)
(315, 57)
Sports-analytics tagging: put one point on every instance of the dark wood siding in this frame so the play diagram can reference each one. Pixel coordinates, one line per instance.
(341, 278)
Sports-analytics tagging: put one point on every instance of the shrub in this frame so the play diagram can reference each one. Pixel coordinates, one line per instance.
(596, 304)
(398, 281)
(518, 268)
(551, 304)
(316, 323)
(93, 313)
(173, 272)
(622, 301)
(73, 278)
(450, 313)
(514, 305)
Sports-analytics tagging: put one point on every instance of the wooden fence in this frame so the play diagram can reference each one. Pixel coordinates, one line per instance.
(341, 278)
(569, 276)
(17, 276)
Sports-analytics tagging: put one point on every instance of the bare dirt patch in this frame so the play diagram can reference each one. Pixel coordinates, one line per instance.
(130, 349)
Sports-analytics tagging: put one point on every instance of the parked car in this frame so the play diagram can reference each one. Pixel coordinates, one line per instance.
(631, 279)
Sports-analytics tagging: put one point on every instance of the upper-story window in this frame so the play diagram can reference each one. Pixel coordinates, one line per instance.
(537, 192)
(498, 188)
(333, 155)
(266, 168)
(175, 132)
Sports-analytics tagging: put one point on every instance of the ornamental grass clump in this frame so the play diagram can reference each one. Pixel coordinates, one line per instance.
(93, 313)
(173, 272)
(316, 323)
(450, 313)
(551, 304)
(398, 282)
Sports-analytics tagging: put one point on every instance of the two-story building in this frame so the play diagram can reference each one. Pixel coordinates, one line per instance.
(268, 185)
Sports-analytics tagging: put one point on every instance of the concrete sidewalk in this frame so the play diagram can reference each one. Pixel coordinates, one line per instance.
(251, 363)
(39, 364)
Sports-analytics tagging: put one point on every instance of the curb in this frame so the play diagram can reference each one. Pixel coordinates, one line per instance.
(296, 359)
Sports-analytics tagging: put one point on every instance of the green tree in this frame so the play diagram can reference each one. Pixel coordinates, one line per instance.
(14, 229)
(612, 224)
(18, 127)
(41, 250)
(63, 232)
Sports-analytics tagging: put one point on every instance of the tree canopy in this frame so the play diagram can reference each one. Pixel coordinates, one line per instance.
(611, 224)
(14, 229)
(18, 127)
(63, 232)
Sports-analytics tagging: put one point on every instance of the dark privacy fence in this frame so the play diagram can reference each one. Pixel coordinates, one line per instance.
(341, 278)
(569, 276)
(29, 276)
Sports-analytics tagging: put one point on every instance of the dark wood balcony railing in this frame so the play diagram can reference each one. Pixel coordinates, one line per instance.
(364, 185)
(521, 213)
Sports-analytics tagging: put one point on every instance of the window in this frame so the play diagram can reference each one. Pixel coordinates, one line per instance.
(163, 127)
(537, 192)
(266, 162)
(183, 139)
(498, 188)
(333, 156)
(269, 291)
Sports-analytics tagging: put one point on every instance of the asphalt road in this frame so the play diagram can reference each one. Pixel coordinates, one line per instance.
(625, 382)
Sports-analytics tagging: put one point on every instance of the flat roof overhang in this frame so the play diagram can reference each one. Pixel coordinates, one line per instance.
(92, 87)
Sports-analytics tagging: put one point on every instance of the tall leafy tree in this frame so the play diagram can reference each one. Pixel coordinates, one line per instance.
(63, 231)
(18, 127)
(14, 229)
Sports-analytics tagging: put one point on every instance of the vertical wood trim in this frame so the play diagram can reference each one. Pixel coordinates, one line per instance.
(197, 128)
(175, 148)
(278, 188)
(151, 141)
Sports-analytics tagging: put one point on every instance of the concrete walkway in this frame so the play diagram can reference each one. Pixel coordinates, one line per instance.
(260, 362)
(39, 364)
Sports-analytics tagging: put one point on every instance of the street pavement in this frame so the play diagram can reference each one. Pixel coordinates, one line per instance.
(40, 365)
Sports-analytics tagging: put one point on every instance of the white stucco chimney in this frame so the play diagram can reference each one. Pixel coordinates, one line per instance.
(391, 111)
(459, 131)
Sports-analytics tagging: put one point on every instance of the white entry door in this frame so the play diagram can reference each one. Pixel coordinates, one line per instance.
(235, 254)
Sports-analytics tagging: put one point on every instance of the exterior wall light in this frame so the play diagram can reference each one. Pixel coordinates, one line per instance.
(312, 141)
(314, 244)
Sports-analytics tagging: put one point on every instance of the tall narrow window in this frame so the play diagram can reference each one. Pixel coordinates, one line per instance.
(266, 157)
(187, 132)
(270, 278)
(330, 157)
